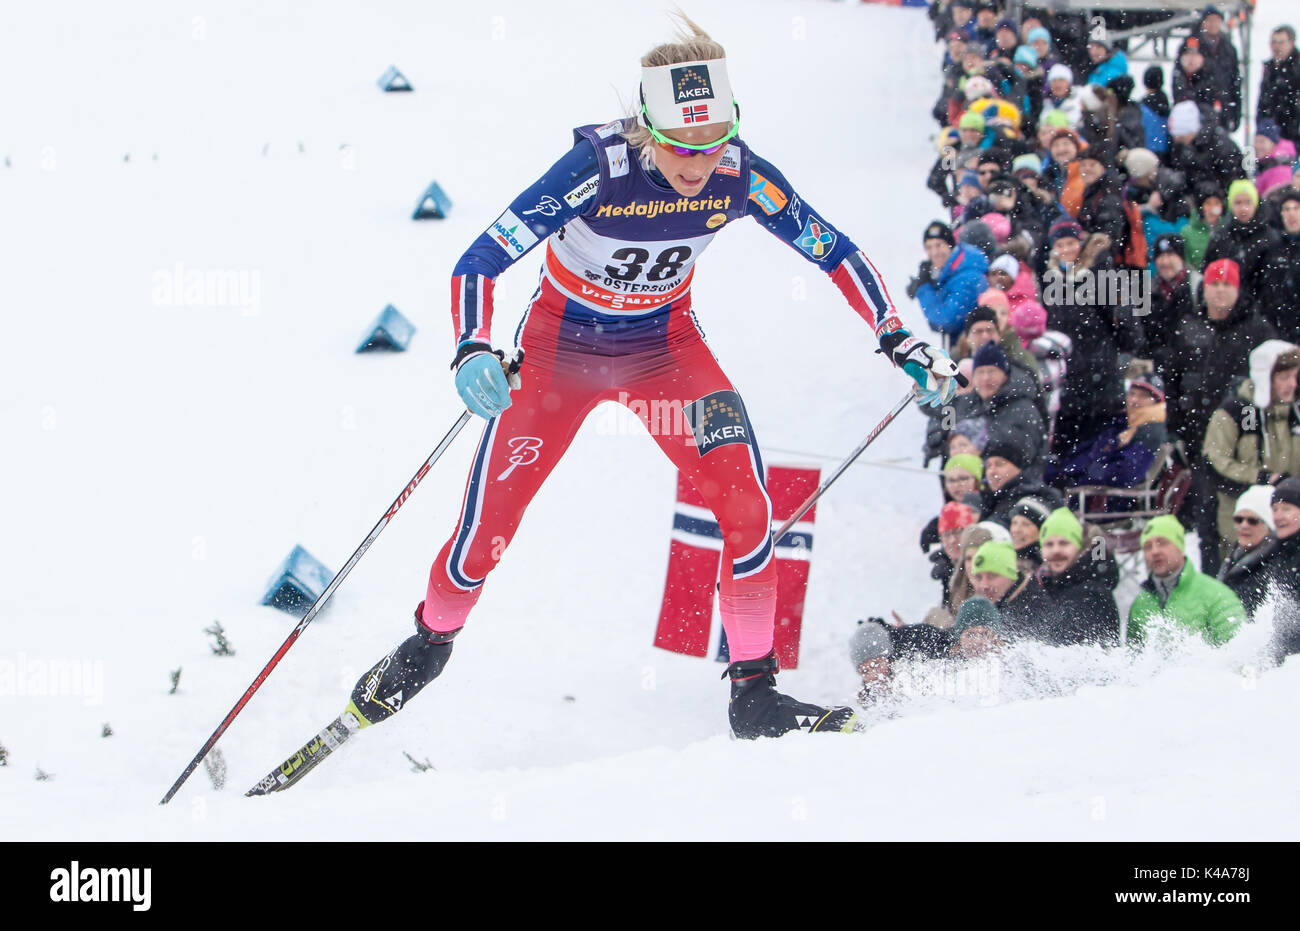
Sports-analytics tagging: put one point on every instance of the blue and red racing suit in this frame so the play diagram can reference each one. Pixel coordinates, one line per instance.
(612, 320)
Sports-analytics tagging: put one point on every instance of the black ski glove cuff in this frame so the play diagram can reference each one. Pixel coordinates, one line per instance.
(468, 349)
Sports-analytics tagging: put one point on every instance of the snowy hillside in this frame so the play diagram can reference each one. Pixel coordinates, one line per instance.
(169, 445)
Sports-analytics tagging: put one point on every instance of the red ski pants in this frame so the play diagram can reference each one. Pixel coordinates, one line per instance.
(661, 369)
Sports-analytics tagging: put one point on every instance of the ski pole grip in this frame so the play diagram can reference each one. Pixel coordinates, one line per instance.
(963, 380)
(510, 364)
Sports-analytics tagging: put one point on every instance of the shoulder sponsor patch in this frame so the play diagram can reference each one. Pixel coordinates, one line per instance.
(609, 129)
(512, 234)
(730, 162)
(817, 239)
(766, 194)
(582, 191)
(717, 419)
(616, 155)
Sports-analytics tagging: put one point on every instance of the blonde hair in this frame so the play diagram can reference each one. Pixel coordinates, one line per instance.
(692, 44)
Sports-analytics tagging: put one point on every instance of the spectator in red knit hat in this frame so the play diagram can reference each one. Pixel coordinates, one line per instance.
(1224, 271)
(1208, 349)
(955, 517)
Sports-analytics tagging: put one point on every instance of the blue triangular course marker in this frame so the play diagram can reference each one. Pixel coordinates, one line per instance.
(434, 204)
(297, 583)
(390, 331)
(394, 80)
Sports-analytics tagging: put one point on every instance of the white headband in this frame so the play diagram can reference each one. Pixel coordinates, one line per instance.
(687, 94)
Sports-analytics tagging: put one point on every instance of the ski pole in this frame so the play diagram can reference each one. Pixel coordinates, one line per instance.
(511, 365)
(821, 490)
(319, 603)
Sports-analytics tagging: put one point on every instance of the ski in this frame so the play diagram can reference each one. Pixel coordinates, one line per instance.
(308, 756)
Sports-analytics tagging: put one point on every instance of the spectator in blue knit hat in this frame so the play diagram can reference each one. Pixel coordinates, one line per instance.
(1006, 402)
(1005, 39)
(1171, 292)
(1040, 40)
(1275, 157)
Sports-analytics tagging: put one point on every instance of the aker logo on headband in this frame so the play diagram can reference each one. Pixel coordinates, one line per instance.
(691, 83)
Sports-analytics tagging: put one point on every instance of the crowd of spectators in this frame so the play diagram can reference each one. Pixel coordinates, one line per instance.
(1120, 282)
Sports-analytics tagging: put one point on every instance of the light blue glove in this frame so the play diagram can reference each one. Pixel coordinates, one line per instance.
(933, 371)
(480, 379)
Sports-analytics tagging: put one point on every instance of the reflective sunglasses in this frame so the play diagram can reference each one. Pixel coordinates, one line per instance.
(686, 149)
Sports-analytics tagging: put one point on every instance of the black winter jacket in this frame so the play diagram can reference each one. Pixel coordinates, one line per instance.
(1200, 362)
(1083, 601)
(1245, 572)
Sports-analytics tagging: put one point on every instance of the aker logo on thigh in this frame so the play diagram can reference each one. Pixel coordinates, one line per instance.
(716, 420)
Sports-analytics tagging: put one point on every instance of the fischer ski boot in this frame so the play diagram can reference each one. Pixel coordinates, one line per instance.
(758, 710)
(399, 676)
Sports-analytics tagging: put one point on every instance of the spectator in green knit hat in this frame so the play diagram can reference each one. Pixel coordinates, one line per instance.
(1195, 602)
(1246, 237)
(1080, 583)
(996, 558)
(996, 575)
(1062, 524)
(1245, 188)
(1165, 527)
(962, 475)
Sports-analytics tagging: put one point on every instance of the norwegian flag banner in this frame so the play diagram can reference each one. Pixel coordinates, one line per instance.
(696, 114)
(687, 622)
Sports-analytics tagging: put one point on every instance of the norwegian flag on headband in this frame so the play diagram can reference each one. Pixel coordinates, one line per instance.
(696, 114)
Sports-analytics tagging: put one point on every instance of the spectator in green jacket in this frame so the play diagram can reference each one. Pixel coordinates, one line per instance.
(1196, 603)
(1209, 215)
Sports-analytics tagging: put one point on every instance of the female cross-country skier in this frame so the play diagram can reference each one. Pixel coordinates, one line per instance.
(623, 215)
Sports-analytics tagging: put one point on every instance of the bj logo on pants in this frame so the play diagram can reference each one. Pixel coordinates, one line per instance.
(524, 450)
(716, 420)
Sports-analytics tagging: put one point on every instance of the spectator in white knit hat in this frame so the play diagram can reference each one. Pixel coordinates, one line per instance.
(1161, 194)
(1253, 523)
(1201, 152)
(1062, 95)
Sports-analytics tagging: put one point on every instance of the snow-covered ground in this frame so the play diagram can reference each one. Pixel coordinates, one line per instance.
(166, 449)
